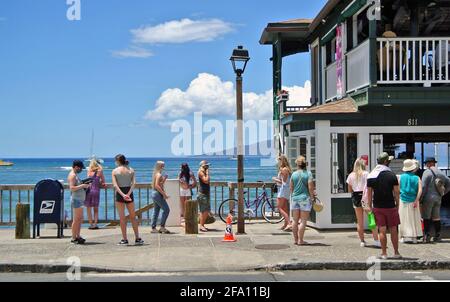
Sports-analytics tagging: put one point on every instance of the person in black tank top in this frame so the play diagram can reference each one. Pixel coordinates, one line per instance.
(203, 194)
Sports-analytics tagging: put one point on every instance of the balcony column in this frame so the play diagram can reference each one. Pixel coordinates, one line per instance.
(276, 76)
(373, 68)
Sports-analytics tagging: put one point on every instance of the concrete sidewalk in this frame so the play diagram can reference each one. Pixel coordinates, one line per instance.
(263, 247)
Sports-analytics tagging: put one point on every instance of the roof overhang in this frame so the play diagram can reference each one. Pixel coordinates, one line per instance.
(339, 110)
(292, 33)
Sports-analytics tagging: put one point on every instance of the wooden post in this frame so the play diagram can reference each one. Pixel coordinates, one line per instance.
(191, 217)
(22, 221)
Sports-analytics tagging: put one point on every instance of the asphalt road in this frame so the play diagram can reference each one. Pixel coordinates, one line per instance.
(327, 275)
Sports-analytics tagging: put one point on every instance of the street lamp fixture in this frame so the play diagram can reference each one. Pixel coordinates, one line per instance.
(239, 59)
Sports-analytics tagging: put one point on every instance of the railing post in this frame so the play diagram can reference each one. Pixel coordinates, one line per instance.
(230, 190)
(373, 52)
(1, 206)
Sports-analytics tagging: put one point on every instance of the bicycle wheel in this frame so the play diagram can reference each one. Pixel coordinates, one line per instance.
(228, 206)
(270, 211)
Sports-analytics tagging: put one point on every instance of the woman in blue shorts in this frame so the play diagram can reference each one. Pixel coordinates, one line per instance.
(302, 192)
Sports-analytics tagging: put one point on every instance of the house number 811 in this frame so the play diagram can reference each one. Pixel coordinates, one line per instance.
(412, 122)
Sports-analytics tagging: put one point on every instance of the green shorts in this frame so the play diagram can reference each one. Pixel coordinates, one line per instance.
(204, 204)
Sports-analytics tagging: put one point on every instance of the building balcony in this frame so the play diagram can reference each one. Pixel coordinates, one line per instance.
(405, 61)
(409, 70)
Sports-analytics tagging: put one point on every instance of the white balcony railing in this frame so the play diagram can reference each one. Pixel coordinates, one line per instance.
(413, 60)
(331, 78)
(357, 65)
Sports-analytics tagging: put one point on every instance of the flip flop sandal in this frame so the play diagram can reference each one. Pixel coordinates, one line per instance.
(165, 232)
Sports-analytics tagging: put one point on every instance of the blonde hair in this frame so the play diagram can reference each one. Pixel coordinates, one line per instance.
(284, 163)
(301, 162)
(94, 166)
(359, 167)
(158, 167)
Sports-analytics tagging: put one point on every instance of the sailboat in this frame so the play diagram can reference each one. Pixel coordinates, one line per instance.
(5, 163)
(92, 156)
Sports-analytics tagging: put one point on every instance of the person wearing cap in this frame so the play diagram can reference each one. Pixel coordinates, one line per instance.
(435, 184)
(77, 198)
(410, 191)
(383, 200)
(203, 196)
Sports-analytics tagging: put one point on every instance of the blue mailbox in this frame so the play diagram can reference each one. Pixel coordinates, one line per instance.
(48, 205)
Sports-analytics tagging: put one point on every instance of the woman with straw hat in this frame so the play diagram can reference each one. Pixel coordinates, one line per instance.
(410, 191)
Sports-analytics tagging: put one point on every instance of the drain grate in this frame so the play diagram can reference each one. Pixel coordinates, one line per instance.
(272, 246)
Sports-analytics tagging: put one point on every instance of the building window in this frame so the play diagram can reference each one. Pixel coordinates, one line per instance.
(344, 150)
(362, 27)
(349, 28)
(330, 49)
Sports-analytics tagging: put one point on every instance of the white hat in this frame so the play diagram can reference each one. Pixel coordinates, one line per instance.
(409, 165)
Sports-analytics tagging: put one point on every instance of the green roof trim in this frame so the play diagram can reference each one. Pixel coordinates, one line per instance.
(329, 36)
(352, 9)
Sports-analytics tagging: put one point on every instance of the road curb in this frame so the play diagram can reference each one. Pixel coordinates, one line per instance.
(52, 268)
(337, 265)
(384, 265)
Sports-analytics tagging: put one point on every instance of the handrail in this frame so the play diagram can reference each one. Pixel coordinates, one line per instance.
(11, 194)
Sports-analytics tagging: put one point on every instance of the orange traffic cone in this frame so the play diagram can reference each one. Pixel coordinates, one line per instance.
(229, 237)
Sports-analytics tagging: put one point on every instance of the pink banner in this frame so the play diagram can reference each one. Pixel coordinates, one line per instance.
(339, 58)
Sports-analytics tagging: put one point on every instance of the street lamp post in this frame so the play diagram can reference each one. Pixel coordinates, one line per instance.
(239, 59)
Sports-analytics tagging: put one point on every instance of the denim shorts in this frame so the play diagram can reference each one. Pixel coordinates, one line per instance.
(303, 205)
(76, 204)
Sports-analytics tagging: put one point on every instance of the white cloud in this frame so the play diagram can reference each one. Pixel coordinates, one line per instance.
(182, 31)
(212, 96)
(132, 52)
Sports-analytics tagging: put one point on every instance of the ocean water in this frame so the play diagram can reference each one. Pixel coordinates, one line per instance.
(31, 171)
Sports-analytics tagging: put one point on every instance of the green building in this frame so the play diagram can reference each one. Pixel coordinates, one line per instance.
(380, 80)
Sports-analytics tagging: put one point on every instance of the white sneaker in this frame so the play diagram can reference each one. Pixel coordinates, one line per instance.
(377, 243)
(362, 244)
(382, 257)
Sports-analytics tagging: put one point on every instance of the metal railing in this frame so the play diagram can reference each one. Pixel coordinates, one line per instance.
(296, 108)
(10, 195)
(422, 60)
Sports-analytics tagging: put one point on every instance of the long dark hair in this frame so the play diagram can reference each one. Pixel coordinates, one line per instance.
(185, 172)
(121, 159)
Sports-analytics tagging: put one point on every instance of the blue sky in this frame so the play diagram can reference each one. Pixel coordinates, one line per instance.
(60, 79)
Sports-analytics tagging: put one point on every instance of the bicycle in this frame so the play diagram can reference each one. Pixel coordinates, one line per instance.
(268, 205)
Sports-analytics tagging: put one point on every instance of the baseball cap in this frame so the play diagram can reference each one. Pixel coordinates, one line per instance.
(383, 156)
(78, 163)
